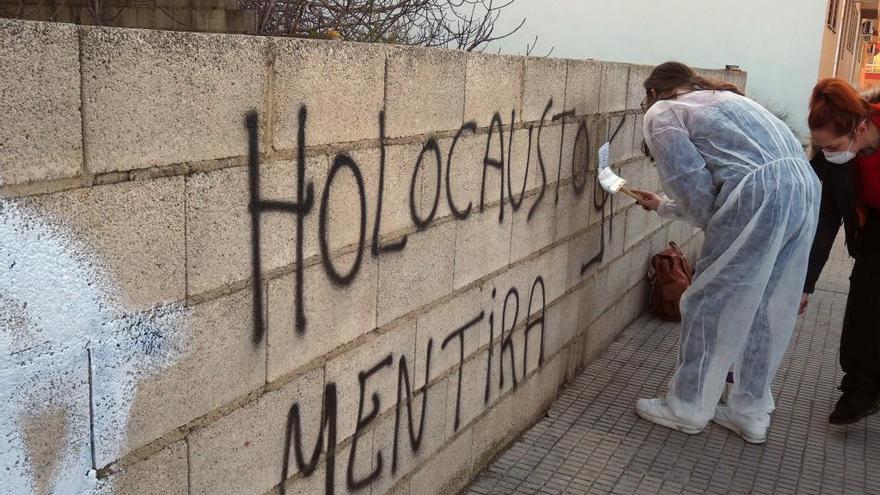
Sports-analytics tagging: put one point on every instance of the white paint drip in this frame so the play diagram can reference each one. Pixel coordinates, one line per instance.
(56, 307)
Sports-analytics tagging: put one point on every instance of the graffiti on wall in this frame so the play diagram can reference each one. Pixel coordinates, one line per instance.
(71, 357)
(306, 202)
(73, 352)
(310, 201)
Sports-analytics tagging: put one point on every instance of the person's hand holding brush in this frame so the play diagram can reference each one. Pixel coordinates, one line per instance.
(649, 201)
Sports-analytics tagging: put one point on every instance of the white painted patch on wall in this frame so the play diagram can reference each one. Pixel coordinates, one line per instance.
(68, 362)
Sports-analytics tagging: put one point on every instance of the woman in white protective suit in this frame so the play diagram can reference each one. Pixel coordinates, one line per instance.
(736, 171)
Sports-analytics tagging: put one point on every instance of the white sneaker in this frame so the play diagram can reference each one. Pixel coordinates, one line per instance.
(750, 433)
(657, 411)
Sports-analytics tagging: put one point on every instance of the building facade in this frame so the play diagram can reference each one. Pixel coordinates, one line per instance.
(850, 44)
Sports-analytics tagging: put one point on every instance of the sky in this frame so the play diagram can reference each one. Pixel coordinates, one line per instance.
(777, 43)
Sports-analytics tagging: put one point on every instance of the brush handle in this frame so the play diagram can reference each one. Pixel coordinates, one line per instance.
(628, 192)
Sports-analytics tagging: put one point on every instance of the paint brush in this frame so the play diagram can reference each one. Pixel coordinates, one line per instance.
(611, 182)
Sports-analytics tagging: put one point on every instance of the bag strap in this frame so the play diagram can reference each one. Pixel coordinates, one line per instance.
(677, 250)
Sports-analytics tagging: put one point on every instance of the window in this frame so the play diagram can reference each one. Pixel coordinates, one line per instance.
(852, 18)
(831, 18)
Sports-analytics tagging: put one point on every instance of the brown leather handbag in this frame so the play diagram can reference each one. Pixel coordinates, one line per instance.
(671, 276)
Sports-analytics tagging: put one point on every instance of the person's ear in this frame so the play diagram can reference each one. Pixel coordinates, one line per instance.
(862, 128)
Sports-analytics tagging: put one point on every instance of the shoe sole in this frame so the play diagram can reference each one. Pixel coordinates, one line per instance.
(838, 422)
(736, 429)
(669, 424)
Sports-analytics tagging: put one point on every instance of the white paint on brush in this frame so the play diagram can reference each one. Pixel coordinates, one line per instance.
(58, 311)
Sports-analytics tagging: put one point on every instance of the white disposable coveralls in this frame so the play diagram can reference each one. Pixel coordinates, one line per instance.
(733, 169)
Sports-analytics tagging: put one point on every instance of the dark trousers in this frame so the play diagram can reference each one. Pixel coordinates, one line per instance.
(860, 338)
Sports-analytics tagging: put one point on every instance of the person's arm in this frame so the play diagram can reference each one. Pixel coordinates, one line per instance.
(826, 232)
(681, 168)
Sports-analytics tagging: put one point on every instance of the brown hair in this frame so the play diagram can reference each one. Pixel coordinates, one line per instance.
(836, 106)
(670, 76)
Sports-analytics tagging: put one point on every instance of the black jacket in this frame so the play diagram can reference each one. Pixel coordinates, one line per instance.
(839, 194)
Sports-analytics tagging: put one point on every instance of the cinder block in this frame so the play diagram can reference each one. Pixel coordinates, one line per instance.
(515, 370)
(615, 225)
(243, 452)
(424, 90)
(418, 275)
(618, 278)
(328, 325)
(636, 88)
(442, 322)
(561, 320)
(328, 77)
(603, 331)
(681, 232)
(494, 84)
(585, 249)
(659, 240)
(343, 200)
(218, 225)
(547, 140)
(41, 130)
(640, 261)
(449, 471)
(402, 488)
(555, 269)
(615, 80)
(573, 145)
(519, 176)
(363, 464)
(622, 145)
(574, 210)
(582, 86)
(344, 370)
(482, 246)
(469, 401)
(220, 363)
(638, 300)
(516, 412)
(315, 484)
(639, 138)
(45, 399)
(532, 234)
(386, 437)
(164, 472)
(594, 299)
(136, 231)
(466, 173)
(400, 163)
(639, 224)
(530, 353)
(632, 173)
(639, 174)
(160, 97)
(544, 80)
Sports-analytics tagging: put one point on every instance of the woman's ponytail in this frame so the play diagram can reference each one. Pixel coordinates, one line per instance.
(837, 107)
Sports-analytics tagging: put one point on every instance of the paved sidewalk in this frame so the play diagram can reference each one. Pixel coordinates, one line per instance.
(592, 441)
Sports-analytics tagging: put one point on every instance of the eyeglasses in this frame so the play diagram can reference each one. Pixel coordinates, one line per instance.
(646, 104)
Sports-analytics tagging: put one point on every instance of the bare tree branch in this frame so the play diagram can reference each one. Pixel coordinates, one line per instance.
(464, 24)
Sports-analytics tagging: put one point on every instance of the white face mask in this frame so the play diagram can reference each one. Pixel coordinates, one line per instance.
(840, 157)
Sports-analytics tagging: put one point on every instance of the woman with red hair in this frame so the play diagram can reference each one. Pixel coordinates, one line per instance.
(845, 128)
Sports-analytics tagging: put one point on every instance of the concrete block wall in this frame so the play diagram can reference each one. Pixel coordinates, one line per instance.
(283, 266)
